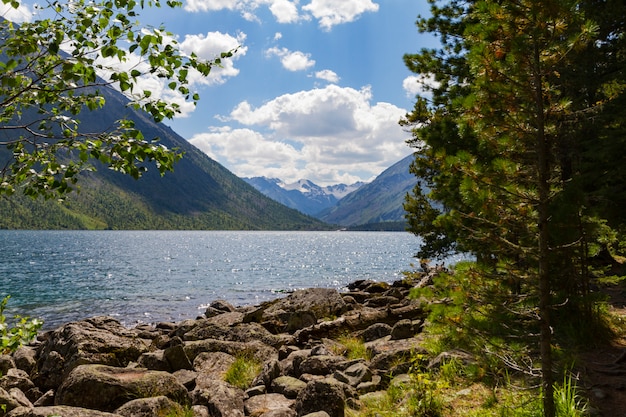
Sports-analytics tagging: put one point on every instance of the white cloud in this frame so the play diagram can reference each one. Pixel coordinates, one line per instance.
(284, 11)
(209, 47)
(278, 36)
(327, 135)
(327, 75)
(292, 60)
(419, 84)
(333, 12)
(20, 15)
(328, 12)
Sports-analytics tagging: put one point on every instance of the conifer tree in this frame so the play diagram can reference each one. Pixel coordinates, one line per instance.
(498, 148)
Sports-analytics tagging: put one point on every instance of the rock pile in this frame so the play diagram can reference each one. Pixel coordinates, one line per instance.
(96, 367)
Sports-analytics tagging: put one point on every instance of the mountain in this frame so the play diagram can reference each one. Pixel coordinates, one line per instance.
(302, 195)
(199, 194)
(380, 201)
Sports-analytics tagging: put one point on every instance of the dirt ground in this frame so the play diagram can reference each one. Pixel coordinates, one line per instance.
(603, 369)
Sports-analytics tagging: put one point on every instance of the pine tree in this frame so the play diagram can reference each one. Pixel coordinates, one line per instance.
(500, 147)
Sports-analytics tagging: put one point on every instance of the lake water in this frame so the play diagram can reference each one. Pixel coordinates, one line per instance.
(151, 276)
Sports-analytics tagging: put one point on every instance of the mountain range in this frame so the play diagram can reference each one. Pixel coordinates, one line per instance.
(302, 195)
(375, 203)
(201, 193)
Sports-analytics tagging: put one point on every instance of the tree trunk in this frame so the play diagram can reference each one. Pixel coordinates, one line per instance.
(543, 186)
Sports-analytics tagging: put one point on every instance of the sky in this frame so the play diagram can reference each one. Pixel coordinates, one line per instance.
(315, 90)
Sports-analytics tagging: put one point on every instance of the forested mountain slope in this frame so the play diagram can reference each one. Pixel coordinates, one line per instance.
(199, 194)
(380, 201)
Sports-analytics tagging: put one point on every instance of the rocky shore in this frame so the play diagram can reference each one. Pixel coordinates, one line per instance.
(97, 368)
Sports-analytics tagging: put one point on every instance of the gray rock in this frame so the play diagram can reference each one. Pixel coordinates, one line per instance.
(223, 305)
(221, 399)
(291, 365)
(186, 377)
(60, 410)
(211, 365)
(289, 386)
(16, 378)
(280, 412)
(403, 329)
(381, 301)
(300, 309)
(321, 365)
(47, 399)
(357, 374)
(387, 354)
(317, 414)
(324, 395)
(370, 386)
(7, 401)
(20, 397)
(270, 371)
(154, 361)
(6, 363)
(98, 340)
(177, 358)
(265, 403)
(241, 332)
(376, 331)
(200, 411)
(150, 407)
(106, 388)
(25, 358)
(262, 352)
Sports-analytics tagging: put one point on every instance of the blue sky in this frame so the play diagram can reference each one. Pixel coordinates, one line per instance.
(315, 90)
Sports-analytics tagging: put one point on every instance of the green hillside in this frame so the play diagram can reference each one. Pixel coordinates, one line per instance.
(380, 201)
(199, 194)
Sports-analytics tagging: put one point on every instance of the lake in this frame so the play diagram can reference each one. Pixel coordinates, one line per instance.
(152, 276)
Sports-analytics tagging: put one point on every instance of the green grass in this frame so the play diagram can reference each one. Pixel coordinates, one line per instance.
(243, 371)
(354, 348)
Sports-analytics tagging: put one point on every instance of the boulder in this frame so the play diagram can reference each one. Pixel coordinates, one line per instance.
(403, 329)
(106, 388)
(6, 363)
(321, 364)
(154, 361)
(323, 395)
(376, 331)
(16, 378)
(25, 358)
(7, 401)
(262, 352)
(150, 407)
(288, 386)
(262, 404)
(355, 374)
(98, 340)
(240, 332)
(60, 410)
(211, 365)
(280, 412)
(302, 308)
(221, 399)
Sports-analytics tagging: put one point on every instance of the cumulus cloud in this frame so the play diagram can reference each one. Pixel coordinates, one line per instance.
(20, 15)
(327, 75)
(419, 85)
(326, 135)
(207, 47)
(292, 60)
(332, 12)
(328, 12)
